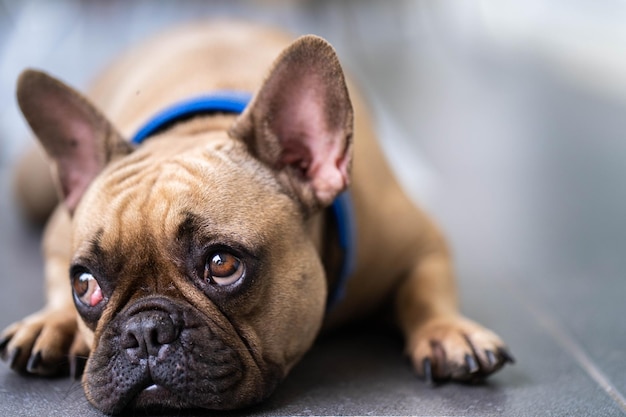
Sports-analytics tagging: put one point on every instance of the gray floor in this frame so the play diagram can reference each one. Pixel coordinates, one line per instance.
(507, 121)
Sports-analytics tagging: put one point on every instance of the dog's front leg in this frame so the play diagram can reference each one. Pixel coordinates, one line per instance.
(441, 343)
(43, 342)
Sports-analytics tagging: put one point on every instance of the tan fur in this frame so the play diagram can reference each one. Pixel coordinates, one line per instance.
(134, 206)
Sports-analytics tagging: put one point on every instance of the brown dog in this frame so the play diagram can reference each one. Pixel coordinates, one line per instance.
(204, 262)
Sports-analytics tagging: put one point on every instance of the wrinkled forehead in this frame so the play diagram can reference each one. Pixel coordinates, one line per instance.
(166, 187)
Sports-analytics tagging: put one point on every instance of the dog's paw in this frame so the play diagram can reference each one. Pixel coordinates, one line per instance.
(44, 343)
(456, 348)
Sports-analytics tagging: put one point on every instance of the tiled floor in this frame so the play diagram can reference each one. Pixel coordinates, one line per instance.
(507, 120)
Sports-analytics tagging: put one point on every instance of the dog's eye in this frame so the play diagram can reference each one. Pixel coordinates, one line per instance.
(223, 268)
(87, 289)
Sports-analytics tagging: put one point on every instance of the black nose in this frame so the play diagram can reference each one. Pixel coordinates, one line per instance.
(145, 333)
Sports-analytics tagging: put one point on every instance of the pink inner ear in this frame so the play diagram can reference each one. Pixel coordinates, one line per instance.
(74, 134)
(309, 143)
(329, 172)
(77, 161)
(74, 183)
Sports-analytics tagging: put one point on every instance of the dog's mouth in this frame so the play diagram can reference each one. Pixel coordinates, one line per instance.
(157, 396)
(153, 391)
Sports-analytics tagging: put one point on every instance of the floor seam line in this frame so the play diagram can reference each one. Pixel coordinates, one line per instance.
(568, 343)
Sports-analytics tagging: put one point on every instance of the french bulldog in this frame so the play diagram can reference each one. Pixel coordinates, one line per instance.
(196, 266)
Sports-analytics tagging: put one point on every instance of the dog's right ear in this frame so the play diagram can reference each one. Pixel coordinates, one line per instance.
(79, 140)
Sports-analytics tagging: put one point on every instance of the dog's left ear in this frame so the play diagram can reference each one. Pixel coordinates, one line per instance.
(79, 140)
(300, 122)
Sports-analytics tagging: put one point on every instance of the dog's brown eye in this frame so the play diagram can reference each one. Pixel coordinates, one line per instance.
(87, 289)
(223, 268)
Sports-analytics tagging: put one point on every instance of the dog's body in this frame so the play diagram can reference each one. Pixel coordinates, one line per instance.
(218, 228)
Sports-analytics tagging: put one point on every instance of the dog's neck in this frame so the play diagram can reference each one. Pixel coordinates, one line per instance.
(333, 230)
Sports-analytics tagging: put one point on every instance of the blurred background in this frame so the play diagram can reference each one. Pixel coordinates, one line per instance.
(505, 119)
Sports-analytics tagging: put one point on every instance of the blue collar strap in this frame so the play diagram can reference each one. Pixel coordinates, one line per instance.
(235, 102)
(342, 210)
(218, 102)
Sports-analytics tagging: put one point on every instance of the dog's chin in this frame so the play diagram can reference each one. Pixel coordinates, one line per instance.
(149, 397)
(159, 398)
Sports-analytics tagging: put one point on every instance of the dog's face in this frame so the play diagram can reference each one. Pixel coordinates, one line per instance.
(211, 287)
(194, 273)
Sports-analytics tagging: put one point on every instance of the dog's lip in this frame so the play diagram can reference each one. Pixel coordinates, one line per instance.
(155, 395)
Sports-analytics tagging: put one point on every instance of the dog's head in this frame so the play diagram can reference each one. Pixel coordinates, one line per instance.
(194, 272)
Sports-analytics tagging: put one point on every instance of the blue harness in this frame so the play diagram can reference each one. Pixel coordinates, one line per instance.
(235, 102)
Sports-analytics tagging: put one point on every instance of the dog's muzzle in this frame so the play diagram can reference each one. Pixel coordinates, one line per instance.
(161, 354)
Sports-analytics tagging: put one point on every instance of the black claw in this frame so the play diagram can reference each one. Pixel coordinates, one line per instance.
(428, 371)
(4, 342)
(13, 357)
(33, 362)
(77, 366)
(506, 355)
(4, 355)
(491, 357)
(472, 365)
